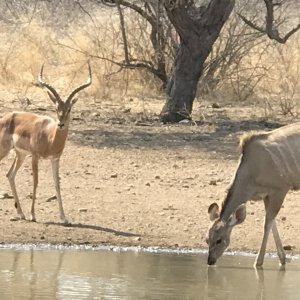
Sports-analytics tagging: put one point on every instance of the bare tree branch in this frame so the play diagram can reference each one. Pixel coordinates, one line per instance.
(132, 64)
(123, 31)
(270, 28)
(151, 12)
(149, 17)
(251, 24)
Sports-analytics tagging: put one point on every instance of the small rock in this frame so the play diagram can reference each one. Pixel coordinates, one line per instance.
(215, 105)
(13, 219)
(5, 196)
(213, 182)
(114, 175)
(147, 184)
(184, 121)
(157, 177)
(51, 198)
(283, 218)
(137, 239)
(82, 210)
(128, 188)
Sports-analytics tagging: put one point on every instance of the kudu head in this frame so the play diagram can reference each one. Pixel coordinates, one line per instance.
(218, 236)
(63, 108)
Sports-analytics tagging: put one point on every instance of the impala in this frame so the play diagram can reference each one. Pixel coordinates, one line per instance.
(269, 167)
(40, 137)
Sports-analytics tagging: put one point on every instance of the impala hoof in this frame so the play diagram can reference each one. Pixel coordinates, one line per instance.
(65, 222)
(18, 218)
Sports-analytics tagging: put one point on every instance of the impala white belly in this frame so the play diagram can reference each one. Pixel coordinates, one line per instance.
(17, 142)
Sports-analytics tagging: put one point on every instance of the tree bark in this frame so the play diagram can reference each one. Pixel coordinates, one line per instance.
(198, 29)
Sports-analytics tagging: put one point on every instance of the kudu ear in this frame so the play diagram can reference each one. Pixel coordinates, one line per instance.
(213, 211)
(238, 216)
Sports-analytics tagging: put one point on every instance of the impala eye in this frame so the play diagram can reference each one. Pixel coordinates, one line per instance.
(219, 241)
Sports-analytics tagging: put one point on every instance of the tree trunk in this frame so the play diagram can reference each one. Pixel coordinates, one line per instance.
(198, 29)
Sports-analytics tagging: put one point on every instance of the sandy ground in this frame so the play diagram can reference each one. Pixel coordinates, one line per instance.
(128, 180)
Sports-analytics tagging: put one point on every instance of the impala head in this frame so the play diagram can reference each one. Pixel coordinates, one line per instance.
(218, 237)
(63, 108)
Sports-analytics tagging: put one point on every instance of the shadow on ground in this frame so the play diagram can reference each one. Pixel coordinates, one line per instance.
(96, 227)
(220, 137)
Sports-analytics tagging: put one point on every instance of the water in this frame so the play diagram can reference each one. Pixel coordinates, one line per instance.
(76, 274)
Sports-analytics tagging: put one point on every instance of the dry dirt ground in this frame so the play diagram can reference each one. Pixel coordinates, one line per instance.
(126, 179)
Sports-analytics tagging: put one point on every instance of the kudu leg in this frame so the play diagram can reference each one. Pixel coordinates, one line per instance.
(272, 206)
(261, 254)
(35, 184)
(55, 171)
(280, 250)
(19, 159)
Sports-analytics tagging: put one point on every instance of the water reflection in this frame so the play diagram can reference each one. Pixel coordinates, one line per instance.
(54, 274)
(236, 279)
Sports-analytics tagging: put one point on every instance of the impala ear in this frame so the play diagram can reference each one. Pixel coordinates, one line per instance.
(238, 216)
(213, 211)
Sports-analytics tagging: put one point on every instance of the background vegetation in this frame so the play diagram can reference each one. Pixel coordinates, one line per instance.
(243, 66)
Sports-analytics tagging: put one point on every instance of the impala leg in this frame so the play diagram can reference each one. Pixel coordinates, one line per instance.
(272, 206)
(55, 171)
(35, 184)
(19, 159)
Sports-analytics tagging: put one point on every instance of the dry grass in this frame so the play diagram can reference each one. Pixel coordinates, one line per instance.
(269, 75)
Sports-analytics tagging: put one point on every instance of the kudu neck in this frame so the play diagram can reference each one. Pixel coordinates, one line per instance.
(237, 194)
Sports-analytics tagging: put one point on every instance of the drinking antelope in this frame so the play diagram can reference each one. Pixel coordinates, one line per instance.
(268, 168)
(40, 137)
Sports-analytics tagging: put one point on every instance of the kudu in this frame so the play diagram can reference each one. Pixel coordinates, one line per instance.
(268, 168)
(40, 137)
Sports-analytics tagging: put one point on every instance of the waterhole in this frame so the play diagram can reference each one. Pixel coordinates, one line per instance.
(42, 273)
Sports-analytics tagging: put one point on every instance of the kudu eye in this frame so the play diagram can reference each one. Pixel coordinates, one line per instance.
(219, 241)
